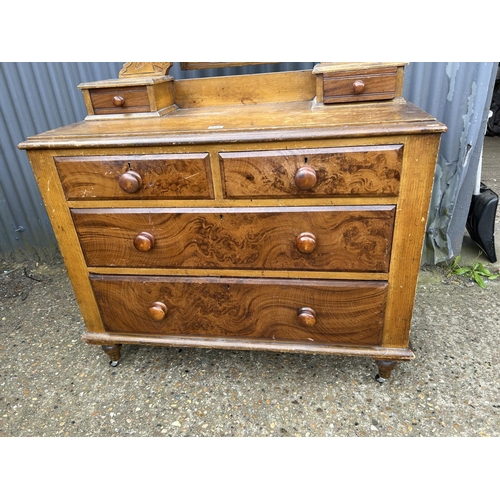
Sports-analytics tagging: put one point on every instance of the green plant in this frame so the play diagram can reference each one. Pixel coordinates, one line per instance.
(475, 271)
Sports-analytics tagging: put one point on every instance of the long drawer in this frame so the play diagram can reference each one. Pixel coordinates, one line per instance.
(305, 238)
(304, 310)
(162, 176)
(321, 172)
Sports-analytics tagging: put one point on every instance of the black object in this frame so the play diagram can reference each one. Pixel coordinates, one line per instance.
(481, 220)
(493, 123)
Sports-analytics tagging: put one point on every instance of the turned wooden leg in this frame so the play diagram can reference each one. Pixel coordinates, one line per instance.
(113, 351)
(385, 367)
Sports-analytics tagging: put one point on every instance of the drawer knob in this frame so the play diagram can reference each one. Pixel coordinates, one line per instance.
(144, 242)
(157, 311)
(305, 178)
(358, 86)
(305, 242)
(118, 101)
(306, 317)
(130, 182)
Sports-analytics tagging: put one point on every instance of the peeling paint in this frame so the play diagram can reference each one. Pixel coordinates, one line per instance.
(451, 71)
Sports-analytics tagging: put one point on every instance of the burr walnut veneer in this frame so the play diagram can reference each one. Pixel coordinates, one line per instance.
(280, 211)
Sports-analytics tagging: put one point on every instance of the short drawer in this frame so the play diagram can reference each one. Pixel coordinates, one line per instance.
(120, 100)
(327, 311)
(162, 176)
(366, 86)
(305, 238)
(324, 172)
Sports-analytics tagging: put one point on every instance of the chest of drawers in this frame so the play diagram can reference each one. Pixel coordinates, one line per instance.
(289, 220)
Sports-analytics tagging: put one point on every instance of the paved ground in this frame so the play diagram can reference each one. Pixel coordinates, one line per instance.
(52, 384)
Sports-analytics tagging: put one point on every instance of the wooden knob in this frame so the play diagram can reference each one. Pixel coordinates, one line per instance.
(305, 178)
(130, 182)
(358, 86)
(118, 101)
(306, 317)
(157, 311)
(305, 242)
(144, 242)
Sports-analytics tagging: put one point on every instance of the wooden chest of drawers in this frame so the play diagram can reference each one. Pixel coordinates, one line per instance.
(291, 225)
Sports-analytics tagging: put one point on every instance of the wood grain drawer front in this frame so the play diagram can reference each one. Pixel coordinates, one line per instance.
(162, 176)
(358, 171)
(304, 310)
(306, 238)
(120, 100)
(352, 87)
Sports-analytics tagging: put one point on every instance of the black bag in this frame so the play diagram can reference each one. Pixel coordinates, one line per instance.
(493, 124)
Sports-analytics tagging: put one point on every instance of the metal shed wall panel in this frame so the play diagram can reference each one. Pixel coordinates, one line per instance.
(36, 97)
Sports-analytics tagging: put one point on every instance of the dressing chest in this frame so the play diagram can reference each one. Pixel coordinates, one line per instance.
(269, 211)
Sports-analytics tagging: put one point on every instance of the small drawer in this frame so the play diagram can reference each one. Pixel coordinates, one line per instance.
(163, 176)
(120, 100)
(327, 311)
(326, 172)
(366, 86)
(305, 238)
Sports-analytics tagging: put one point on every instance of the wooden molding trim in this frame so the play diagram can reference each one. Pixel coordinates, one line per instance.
(140, 69)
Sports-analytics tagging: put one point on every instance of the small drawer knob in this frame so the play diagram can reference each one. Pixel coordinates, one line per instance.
(157, 311)
(306, 317)
(144, 242)
(358, 86)
(305, 242)
(118, 101)
(130, 182)
(305, 178)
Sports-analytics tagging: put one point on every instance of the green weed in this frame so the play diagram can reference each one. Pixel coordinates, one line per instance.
(476, 271)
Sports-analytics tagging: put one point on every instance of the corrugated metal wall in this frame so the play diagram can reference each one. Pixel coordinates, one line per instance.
(35, 97)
